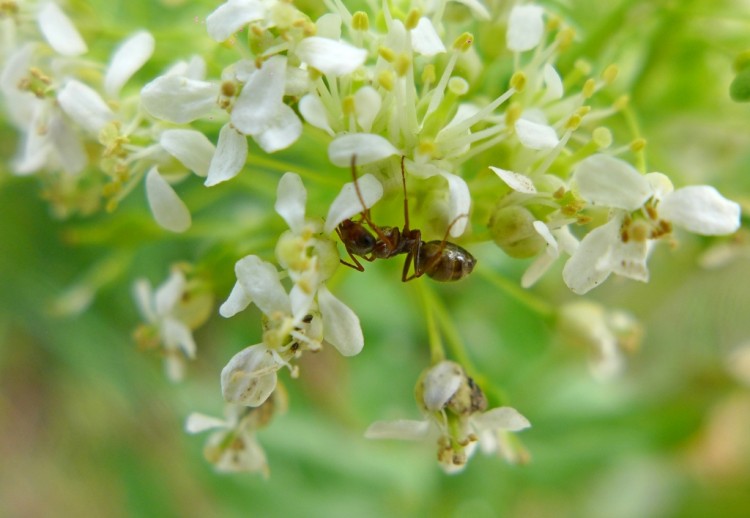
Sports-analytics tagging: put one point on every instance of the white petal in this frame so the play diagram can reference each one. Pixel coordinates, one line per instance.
(177, 335)
(553, 83)
(516, 181)
(609, 181)
(525, 27)
(701, 209)
(60, 32)
(301, 298)
(85, 106)
(627, 259)
(314, 112)
(282, 130)
(583, 271)
(331, 57)
(197, 422)
(229, 158)
(237, 301)
(231, 16)
(329, 26)
(250, 376)
(347, 203)
(502, 418)
(340, 324)
(144, 299)
(534, 135)
(367, 148)
(367, 104)
(69, 148)
(402, 429)
(179, 99)
(169, 293)
(425, 40)
(440, 384)
(16, 67)
(660, 184)
(477, 7)
(291, 198)
(192, 148)
(536, 269)
(261, 282)
(169, 211)
(129, 57)
(459, 203)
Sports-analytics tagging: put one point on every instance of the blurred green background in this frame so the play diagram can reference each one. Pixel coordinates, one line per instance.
(91, 427)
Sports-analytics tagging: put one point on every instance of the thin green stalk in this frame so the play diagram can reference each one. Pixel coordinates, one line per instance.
(514, 290)
(437, 351)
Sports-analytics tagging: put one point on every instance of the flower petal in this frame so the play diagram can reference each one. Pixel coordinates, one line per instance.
(191, 147)
(129, 57)
(197, 422)
(291, 198)
(231, 16)
(459, 203)
(516, 181)
(367, 105)
(502, 418)
(609, 181)
(177, 335)
(169, 211)
(440, 383)
(584, 271)
(366, 147)
(314, 112)
(237, 301)
(85, 106)
(701, 209)
(333, 58)
(534, 135)
(178, 99)
(347, 203)
(169, 293)
(425, 40)
(282, 130)
(69, 148)
(59, 31)
(525, 27)
(553, 82)
(250, 376)
(229, 158)
(260, 280)
(341, 325)
(403, 429)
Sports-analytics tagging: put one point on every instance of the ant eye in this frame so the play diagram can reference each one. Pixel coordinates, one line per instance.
(366, 240)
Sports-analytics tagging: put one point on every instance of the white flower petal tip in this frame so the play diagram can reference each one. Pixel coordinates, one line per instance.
(314, 112)
(347, 203)
(169, 211)
(553, 82)
(229, 158)
(367, 105)
(425, 39)
(459, 203)
(291, 198)
(402, 429)
(129, 57)
(611, 182)
(340, 324)
(85, 106)
(250, 376)
(440, 383)
(179, 99)
(503, 418)
(237, 301)
(365, 147)
(197, 423)
(232, 16)
(333, 58)
(702, 210)
(59, 31)
(516, 181)
(534, 135)
(260, 280)
(192, 148)
(525, 27)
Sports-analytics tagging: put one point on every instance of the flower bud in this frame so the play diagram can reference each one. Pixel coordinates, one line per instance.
(512, 229)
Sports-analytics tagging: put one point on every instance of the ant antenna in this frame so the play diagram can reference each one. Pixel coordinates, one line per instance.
(406, 198)
(448, 230)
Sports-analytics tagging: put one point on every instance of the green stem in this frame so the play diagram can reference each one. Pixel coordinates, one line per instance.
(437, 351)
(524, 297)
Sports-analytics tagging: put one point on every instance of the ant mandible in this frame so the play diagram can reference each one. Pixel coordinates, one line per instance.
(440, 260)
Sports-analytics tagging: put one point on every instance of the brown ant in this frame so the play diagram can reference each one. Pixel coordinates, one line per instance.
(440, 260)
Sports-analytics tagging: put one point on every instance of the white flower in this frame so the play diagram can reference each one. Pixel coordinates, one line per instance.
(333, 58)
(525, 27)
(59, 31)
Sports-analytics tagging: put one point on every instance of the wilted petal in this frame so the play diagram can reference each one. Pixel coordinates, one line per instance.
(366, 147)
(403, 429)
(250, 376)
(260, 280)
(231, 16)
(425, 40)
(85, 106)
(129, 57)
(347, 203)
(440, 384)
(169, 211)
(229, 158)
(583, 271)
(367, 104)
(502, 418)
(331, 57)
(340, 324)
(315, 114)
(237, 301)
(516, 181)
(525, 27)
(534, 135)
(178, 99)
(609, 181)
(459, 203)
(59, 31)
(192, 148)
(291, 198)
(197, 422)
(701, 209)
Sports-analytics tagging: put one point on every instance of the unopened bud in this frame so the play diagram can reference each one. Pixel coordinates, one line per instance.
(512, 229)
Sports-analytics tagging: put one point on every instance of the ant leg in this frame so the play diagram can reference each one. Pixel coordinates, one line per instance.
(357, 265)
(413, 256)
(365, 210)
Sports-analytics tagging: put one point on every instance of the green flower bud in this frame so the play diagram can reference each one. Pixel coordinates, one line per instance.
(739, 90)
(512, 230)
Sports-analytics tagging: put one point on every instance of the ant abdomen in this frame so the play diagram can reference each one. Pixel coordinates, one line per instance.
(444, 261)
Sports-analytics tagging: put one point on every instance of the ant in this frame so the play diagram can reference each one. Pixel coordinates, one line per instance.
(440, 260)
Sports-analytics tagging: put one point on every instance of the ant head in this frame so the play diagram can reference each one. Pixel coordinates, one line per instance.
(357, 238)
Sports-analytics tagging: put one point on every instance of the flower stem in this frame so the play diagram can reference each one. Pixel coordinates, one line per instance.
(437, 351)
(526, 298)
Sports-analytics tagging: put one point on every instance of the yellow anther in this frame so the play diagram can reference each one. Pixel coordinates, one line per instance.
(412, 19)
(573, 122)
(621, 102)
(387, 54)
(518, 81)
(360, 21)
(428, 74)
(463, 42)
(402, 64)
(426, 148)
(554, 23)
(583, 66)
(314, 74)
(565, 38)
(602, 137)
(610, 74)
(512, 114)
(589, 88)
(348, 105)
(386, 79)
(228, 88)
(638, 144)
(639, 231)
(583, 110)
